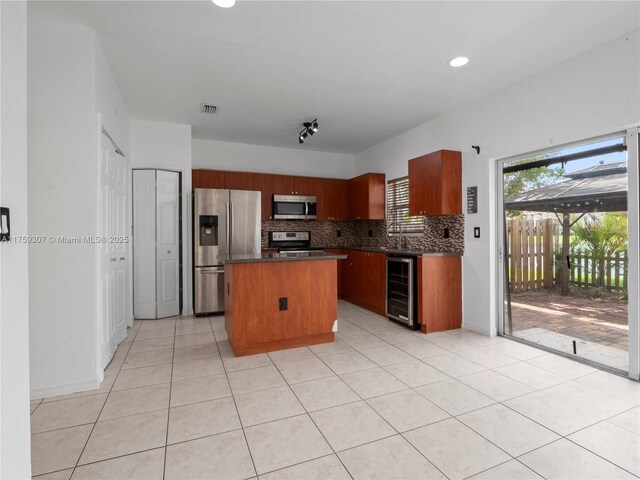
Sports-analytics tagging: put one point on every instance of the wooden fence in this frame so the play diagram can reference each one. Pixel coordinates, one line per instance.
(535, 247)
(531, 260)
(609, 272)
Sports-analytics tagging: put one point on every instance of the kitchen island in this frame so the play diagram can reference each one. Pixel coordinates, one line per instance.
(280, 300)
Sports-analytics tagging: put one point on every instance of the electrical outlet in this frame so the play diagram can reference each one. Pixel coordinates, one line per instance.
(284, 304)
(371, 233)
(446, 233)
(338, 233)
(476, 232)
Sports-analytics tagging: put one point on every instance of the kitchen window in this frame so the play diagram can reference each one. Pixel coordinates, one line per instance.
(398, 209)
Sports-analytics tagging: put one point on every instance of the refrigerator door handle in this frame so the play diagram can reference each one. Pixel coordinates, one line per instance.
(228, 224)
(232, 231)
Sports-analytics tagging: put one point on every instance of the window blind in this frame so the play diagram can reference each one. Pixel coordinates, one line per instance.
(398, 208)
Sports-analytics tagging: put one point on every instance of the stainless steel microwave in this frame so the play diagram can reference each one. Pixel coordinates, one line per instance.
(294, 207)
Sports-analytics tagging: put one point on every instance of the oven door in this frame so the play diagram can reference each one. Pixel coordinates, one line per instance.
(289, 207)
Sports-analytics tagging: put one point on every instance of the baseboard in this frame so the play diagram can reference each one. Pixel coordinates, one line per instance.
(55, 390)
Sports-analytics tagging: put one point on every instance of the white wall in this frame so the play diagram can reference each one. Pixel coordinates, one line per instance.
(168, 146)
(15, 452)
(255, 158)
(69, 83)
(589, 95)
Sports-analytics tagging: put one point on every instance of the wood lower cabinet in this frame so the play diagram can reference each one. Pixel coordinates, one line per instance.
(366, 197)
(364, 279)
(439, 293)
(435, 184)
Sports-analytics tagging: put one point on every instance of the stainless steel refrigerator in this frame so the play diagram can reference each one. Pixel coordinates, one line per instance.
(225, 222)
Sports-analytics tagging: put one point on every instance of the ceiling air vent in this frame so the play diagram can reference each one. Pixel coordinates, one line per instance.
(210, 109)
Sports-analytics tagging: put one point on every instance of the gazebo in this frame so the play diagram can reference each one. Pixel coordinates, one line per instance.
(602, 188)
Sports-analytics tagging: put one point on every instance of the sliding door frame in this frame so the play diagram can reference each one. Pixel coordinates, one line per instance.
(631, 136)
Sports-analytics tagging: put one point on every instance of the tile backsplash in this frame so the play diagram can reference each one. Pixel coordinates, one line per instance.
(373, 233)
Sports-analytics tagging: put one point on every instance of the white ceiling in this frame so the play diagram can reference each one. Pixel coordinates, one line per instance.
(367, 70)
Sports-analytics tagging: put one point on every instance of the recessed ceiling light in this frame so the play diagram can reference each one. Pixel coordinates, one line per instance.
(225, 3)
(458, 61)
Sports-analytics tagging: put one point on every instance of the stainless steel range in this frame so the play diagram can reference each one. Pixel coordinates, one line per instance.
(292, 242)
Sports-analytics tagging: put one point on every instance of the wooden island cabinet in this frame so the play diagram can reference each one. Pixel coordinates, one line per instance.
(274, 302)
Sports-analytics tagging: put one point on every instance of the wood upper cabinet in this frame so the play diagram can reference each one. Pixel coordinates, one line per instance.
(439, 293)
(238, 180)
(201, 178)
(366, 197)
(435, 184)
(331, 196)
(263, 182)
(283, 184)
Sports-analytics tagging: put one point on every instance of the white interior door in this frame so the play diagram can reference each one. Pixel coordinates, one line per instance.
(167, 244)
(112, 252)
(144, 244)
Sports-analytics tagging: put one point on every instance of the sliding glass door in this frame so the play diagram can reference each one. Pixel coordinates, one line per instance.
(565, 251)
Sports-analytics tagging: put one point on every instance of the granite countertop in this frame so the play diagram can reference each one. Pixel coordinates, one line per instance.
(282, 257)
(404, 251)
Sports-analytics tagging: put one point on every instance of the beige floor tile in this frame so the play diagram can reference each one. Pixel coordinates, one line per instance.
(518, 350)
(141, 346)
(149, 333)
(511, 470)
(629, 420)
(67, 413)
(454, 397)
(562, 366)
(267, 405)
(61, 475)
(386, 355)
(233, 363)
(494, 385)
(453, 365)
(366, 340)
(291, 355)
(57, 450)
(199, 389)
(374, 382)
(347, 362)
(139, 466)
(324, 393)
(158, 323)
(143, 377)
(136, 400)
(421, 348)
(283, 443)
(304, 370)
(196, 420)
(534, 377)
(507, 429)
(613, 385)
(455, 449)
(337, 346)
(147, 359)
(351, 425)
(195, 339)
(416, 373)
(104, 387)
(223, 456)
(197, 368)
(255, 379)
(563, 459)
(121, 436)
(391, 457)
(202, 327)
(453, 343)
(395, 336)
(407, 410)
(612, 443)
(487, 357)
(195, 352)
(324, 468)
(568, 407)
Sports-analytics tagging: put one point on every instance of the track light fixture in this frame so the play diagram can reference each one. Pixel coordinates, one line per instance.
(310, 128)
